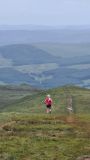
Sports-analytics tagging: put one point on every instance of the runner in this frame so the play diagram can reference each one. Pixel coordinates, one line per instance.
(48, 102)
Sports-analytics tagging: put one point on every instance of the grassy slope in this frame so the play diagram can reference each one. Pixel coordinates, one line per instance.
(44, 137)
(34, 103)
(37, 136)
(10, 94)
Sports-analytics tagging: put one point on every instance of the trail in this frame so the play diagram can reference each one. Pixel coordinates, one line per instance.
(69, 105)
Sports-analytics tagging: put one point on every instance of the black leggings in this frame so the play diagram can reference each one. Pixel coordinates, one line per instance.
(49, 106)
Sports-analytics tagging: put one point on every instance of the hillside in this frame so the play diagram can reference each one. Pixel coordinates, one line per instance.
(42, 137)
(33, 103)
(65, 49)
(10, 94)
(27, 132)
(25, 54)
(40, 68)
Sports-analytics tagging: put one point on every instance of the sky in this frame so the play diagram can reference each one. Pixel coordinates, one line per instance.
(45, 12)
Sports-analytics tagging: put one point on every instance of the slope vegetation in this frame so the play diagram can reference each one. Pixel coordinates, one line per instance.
(35, 103)
(42, 137)
(10, 94)
(28, 133)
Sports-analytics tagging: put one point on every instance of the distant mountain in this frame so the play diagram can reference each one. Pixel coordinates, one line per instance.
(29, 27)
(65, 49)
(8, 37)
(43, 27)
(28, 64)
(24, 54)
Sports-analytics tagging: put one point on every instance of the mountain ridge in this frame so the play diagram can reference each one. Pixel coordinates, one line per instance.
(41, 69)
(27, 36)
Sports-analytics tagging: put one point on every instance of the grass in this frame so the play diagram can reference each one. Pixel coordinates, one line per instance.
(28, 133)
(11, 94)
(42, 137)
(35, 103)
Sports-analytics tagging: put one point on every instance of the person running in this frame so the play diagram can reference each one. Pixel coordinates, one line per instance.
(48, 102)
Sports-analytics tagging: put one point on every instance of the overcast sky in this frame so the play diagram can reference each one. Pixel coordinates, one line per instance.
(45, 12)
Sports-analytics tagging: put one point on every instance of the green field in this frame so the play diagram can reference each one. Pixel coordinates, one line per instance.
(28, 133)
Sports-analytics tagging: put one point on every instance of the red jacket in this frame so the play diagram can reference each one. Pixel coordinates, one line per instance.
(48, 101)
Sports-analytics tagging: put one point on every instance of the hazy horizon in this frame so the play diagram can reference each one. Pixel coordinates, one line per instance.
(50, 13)
(42, 27)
